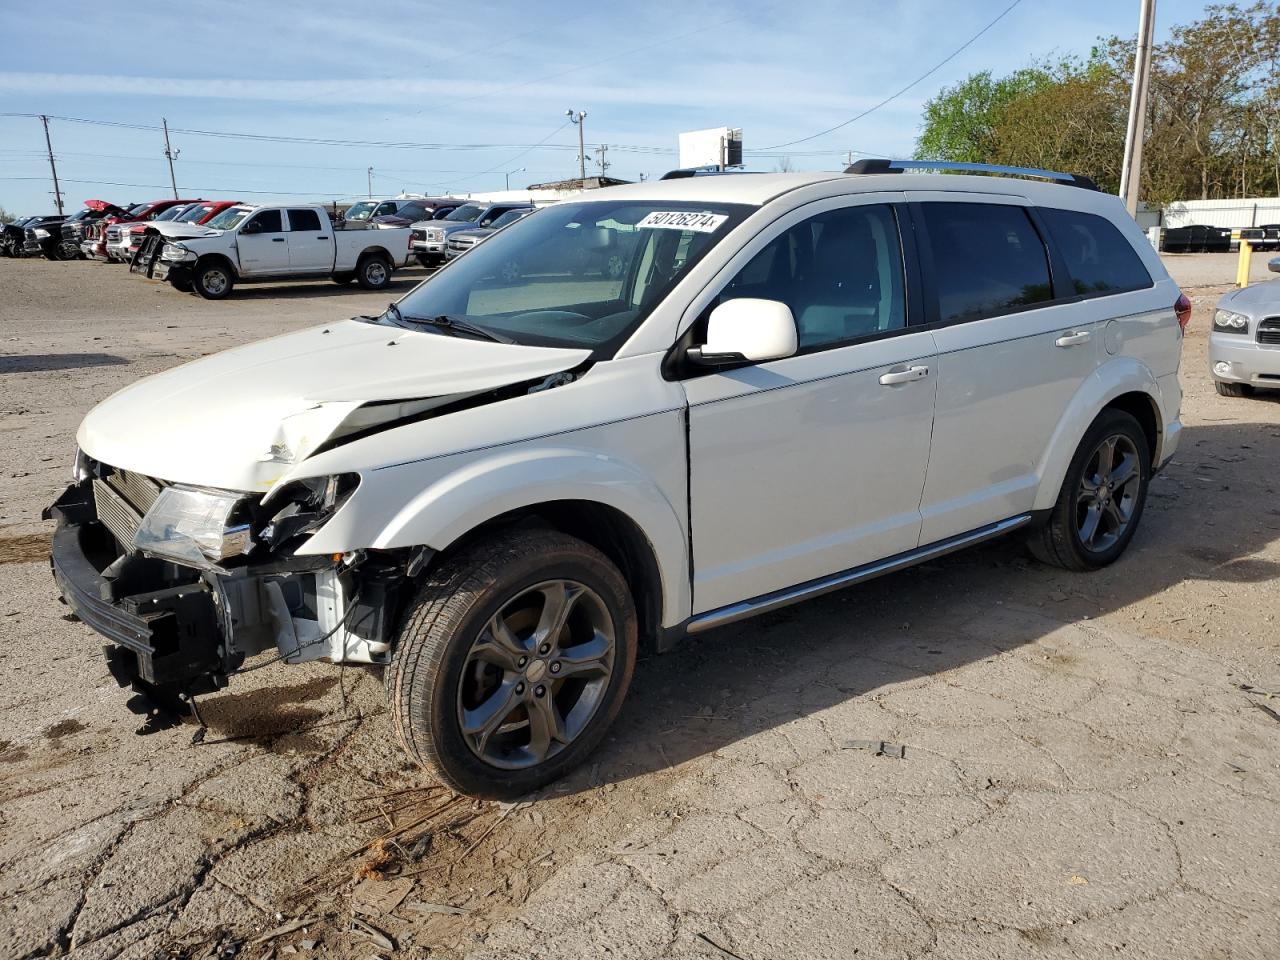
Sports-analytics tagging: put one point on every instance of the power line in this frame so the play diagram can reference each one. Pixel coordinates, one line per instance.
(887, 100)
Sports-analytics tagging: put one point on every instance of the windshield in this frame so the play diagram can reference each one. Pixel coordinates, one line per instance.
(229, 218)
(361, 210)
(511, 216)
(467, 213)
(577, 274)
(171, 213)
(414, 211)
(194, 213)
(137, 208)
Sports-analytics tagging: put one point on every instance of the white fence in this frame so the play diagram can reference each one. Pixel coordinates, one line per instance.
(1223, 213)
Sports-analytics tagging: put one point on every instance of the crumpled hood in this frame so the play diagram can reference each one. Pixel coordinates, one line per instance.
(1256, 296)
(182, 231)
(242, 419)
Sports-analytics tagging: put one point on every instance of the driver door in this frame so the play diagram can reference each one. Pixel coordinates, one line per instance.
(262, 245)
(813, 464)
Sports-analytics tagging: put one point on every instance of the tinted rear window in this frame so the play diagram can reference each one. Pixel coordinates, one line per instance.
(988, 259)
(304, 220)
(1099, 258)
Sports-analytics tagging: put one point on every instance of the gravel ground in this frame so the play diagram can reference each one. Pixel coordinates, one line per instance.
(1083, 775)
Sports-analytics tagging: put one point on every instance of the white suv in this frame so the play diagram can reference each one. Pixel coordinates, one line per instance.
(505, 485)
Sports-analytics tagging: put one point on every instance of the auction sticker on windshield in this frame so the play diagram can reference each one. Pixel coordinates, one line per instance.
(683, 220)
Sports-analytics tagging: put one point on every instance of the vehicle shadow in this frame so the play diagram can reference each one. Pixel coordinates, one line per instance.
(1205, 519)
(402, 281)
(44, 362)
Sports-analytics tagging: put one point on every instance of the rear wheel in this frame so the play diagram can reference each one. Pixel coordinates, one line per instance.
(1102, 497)
(1233, 389)
(213, 280)
(513, 661)
(373, 272)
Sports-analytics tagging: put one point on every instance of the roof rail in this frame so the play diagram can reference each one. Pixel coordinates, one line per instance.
(683, 172)
(871, 165)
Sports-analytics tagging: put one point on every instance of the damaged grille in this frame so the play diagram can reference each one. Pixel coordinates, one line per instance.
(122, 500)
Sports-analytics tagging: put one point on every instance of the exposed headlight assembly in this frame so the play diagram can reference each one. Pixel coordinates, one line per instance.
(1225, 321)
(174, 251)
(302, 507)
(195, 526)
(41, 232)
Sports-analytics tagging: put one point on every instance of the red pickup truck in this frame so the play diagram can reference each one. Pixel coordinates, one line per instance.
(94, 245)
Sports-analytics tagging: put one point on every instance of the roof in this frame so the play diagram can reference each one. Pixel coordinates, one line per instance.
(758, 189)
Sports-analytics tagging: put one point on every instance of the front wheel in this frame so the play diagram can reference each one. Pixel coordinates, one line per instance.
(213, 280)
(1102, 496)
(513, 660)
(373, 272)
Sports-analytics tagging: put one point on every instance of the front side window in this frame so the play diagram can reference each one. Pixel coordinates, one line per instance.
(386, 208)
(1099, 258)
(987, 259)
(577, 274)
(304, 221)
(840, 272)
(268, 221)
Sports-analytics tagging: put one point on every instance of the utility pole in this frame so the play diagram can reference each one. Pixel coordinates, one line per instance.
(57, 191)
(600, 158)
(582, 148)
(507, 175)
(371, 182)
(170, 155)
(848, 158)
(1131, 173)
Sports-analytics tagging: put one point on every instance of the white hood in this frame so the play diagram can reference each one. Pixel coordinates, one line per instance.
(240, 420)
(183, 231)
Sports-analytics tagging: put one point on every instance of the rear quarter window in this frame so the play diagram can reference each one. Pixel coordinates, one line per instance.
(1098, 257)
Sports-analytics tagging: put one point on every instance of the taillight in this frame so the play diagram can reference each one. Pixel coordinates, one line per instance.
(1183, 309)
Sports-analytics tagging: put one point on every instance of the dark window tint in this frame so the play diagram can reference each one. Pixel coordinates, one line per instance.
(987, 259)
(840, 273)
(388, 207)
(1099, 258)
(268, 221)
(302, 221)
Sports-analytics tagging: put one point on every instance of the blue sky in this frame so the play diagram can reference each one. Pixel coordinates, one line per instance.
(483, 81)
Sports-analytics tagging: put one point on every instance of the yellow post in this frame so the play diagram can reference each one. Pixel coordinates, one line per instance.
(1242, 268)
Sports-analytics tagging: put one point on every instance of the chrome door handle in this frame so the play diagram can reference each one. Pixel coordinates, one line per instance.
(908, 375)
(277, 239)
(1072, 339)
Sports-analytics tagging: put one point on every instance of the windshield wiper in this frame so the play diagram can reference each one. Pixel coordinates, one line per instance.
(457, 325)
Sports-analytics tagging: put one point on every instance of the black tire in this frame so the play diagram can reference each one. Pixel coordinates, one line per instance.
(432, 669)
(1233, 389)
(373, 272)
(181, 284)
(1060, 540)
(341, 279)
(52, 254)
(213, 280)
(427, 260)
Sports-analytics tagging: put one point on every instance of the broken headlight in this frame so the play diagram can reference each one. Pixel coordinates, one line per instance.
(302, 507)
(194, 526)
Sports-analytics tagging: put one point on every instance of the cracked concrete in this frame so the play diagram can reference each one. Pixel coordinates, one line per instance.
(1083, 776)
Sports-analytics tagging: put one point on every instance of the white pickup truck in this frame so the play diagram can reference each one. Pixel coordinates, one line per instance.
(248, 243)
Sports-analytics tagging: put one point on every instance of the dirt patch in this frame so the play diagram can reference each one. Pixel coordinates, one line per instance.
(24, 548)
(64, 728)
(10, 753)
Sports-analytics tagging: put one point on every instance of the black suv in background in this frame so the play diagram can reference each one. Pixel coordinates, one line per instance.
(43, 236)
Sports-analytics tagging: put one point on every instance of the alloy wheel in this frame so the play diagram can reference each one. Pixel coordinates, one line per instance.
(536, 674)
(1108, 493)
(215, 281)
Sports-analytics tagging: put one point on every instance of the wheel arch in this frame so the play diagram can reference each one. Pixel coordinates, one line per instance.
(376, 251)
(1124, 384)
(222, 258)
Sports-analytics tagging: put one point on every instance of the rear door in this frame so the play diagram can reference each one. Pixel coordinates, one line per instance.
(813, 464)
(310, 242)
(1013, 349)
(262, 245)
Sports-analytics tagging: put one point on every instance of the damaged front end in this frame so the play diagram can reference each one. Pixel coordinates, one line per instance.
(187, 583)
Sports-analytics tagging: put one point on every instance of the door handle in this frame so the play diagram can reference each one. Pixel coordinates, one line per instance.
(322, 237)
(1072, 339)
(277, 239)
(908, 375)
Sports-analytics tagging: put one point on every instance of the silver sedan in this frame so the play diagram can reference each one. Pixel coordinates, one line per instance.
(1244, 345)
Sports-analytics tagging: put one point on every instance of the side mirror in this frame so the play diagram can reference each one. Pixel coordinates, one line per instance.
(747, 330)
(253, 226)
(1274, 264)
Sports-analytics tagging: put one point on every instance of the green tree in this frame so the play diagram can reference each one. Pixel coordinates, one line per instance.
(960, 123)
(5, 216)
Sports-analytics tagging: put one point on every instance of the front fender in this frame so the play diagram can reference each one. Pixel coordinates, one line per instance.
(464, 498)
(1116, 377)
